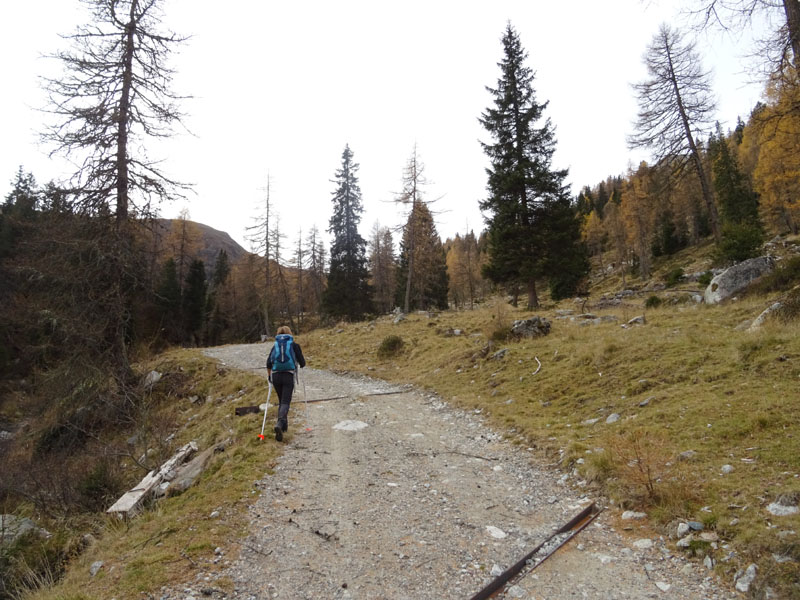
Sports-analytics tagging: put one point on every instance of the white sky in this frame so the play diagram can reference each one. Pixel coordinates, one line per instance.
(281, 87)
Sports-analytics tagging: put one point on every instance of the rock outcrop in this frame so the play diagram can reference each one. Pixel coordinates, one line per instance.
(736, 278)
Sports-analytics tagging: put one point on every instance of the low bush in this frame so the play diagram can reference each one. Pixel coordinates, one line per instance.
(674, 277)
(391, 346)
(705, 278)
(652, 302)
(790, 311)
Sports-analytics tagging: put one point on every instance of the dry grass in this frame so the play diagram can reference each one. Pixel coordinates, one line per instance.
(175, 538)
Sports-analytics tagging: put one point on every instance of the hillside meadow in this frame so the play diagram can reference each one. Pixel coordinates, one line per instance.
(685, 395)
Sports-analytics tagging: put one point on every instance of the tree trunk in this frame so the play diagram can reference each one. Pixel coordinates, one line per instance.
(713, 217)
(124, 118)
(533, 298)
(792, 9)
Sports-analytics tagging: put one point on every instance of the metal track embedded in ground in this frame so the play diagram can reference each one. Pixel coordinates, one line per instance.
(541, 553)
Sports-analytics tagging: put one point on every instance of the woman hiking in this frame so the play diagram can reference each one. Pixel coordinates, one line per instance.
(282, 364)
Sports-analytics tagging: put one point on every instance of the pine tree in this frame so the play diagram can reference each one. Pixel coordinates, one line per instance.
(168, 301)
(526, 196)
(422, 247)
(382, 266)
(742, 234)
(348, 294)
(194, 301)
(315, 265)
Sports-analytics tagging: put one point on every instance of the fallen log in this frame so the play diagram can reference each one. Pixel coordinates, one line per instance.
(131, 500)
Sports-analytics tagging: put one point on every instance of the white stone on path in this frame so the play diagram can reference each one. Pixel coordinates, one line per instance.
(663, 586)
(496, 532)
(643, 544)
(350, 425)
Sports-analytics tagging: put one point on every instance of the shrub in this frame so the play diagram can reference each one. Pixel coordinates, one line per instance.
(739, 242)
(652, 302)
(705, 278)
(391, 346)
(499, 328)
(790, 311)
(674, 277)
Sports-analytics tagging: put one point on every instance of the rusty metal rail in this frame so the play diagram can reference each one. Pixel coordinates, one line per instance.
(246, 410)
(550, 546)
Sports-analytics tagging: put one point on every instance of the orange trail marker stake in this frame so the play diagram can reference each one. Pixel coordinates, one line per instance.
(266, 408)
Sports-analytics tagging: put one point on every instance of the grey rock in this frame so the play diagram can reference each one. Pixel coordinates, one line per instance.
(683, 529)
(663, 586)
(695, 525)
(5, 435)
(590, 421)
(516, 592)
(496, 570)
(727, 469)
(779, 509)
(530, 328)
(745, 578)
(612, 418)
(687, 455)
(400, 317)
(708, 562)
(13, 527)
(646, 401)
(643, 544)
(640, 320)
(629, 514)
(95, 568)
(500, 354)
(736, 278)
(152, 378)
(760, 319)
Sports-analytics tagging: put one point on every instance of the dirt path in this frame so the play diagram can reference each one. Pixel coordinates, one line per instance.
(403, 497)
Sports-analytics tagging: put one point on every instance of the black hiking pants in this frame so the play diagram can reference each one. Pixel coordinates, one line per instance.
(284, 386)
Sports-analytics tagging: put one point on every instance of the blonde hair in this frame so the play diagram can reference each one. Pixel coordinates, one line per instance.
(283, 330)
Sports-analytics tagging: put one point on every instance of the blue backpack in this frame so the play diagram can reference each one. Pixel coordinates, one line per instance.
(282, 353)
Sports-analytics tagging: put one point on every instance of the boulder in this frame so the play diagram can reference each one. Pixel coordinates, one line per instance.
(13, 527)
(736, 278)
(759, 321)
(530, 328)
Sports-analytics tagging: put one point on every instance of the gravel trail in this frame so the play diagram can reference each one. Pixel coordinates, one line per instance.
(404, 497)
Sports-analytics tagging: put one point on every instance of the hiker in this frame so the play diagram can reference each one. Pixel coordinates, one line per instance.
(282, 366)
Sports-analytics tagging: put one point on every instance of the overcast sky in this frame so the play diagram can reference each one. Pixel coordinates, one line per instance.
(280, 87)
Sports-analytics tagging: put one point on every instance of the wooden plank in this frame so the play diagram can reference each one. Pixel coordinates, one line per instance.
(131, 499)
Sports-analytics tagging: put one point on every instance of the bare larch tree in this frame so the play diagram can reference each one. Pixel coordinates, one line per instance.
(675, 103)
(115, 93)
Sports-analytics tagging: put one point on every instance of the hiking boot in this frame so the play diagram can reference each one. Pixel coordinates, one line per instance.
(278, 434)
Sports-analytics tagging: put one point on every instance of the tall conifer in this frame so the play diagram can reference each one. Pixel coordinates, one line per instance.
(348, 294)
(528, 234)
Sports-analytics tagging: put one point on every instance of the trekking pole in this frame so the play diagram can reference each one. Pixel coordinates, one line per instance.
(266, 408)
(305, 399)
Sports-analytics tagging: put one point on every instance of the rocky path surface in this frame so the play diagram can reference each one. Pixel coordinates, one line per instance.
(401, 496)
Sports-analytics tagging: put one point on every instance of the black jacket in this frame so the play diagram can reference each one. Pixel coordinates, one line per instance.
(298, 354)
